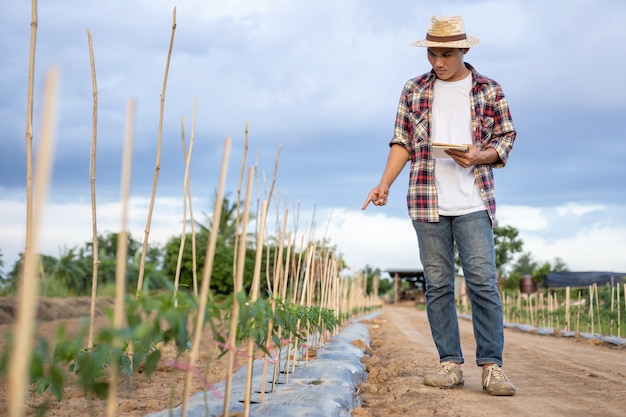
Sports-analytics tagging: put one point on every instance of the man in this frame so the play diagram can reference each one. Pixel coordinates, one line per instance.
(451, 200)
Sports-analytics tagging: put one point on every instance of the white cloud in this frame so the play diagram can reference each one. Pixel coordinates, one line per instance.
(598, 248)
(522, 217)
(578, 209)
(377, 240)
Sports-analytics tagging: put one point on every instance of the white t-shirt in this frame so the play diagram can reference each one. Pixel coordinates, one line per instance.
(457, 192)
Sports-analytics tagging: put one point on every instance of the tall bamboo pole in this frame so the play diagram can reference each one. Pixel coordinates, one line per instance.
(191, 217)
(28, 290)
(242, 171)
(183, 235)
(121, 260)
(206, 276)
(255, 289)
(92, 172)
(237, 287)
(144, 250)
(274, 293)
(29, 126)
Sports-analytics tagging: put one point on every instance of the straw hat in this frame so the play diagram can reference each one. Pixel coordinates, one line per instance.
(447, 32)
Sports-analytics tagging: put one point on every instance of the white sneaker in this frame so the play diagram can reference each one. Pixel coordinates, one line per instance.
(449, 375)
(495, 381)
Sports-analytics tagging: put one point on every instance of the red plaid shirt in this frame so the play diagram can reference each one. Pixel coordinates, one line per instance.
(492, 126)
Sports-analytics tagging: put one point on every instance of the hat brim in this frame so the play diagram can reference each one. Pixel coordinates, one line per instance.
(465, 43)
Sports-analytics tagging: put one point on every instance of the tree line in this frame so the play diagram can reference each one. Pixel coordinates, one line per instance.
(71, 273)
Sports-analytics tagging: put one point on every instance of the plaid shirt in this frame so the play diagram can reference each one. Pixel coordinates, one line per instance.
(492, 126)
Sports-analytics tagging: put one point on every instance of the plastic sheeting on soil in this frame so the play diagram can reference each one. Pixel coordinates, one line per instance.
(549, 331)
(325, 387)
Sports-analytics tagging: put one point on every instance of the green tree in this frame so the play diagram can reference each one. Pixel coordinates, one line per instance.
(507, 243)
(70, 272)
(372, 273)
(541, 273)
(227, 226)
(107, 258)
(222, 271)
(1, 268)
(524, 265)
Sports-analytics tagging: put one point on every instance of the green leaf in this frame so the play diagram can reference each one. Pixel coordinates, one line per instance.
(57, 380)
(152, 361)
(41, 384)
(65, 351)
(101, 389)
(125, 365)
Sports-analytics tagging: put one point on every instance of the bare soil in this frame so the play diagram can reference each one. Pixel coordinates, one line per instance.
(143, 395)
(554, 376)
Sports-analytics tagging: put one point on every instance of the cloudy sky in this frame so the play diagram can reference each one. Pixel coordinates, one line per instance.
(320, 82)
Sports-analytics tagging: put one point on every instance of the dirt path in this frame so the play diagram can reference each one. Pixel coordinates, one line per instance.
(554, 376)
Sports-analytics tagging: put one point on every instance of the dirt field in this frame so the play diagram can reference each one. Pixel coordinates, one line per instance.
(555, 376)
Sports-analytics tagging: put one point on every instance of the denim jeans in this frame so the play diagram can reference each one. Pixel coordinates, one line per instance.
(473, 235)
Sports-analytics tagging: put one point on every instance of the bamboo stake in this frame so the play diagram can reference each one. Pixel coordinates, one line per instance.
(612, 310)
(183, 235)
(29, 127)
(122, 251)
(280, 334)
(238, 287)
(619, 318)
(158, 160)
(578, 312)
(242, 171)
(568, 310)
(94, 223)
(206, 277)
(256, 282)
(275, 287)
(18, 366)
(595, 286)
(191, 218)
(591, 308)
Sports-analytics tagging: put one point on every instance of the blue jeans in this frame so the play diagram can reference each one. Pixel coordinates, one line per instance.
(473, 235)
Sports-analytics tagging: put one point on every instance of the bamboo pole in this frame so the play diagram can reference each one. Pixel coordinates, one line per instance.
(121, 260)
(183, 235)
(242, 171)
(568, 310)
(92, 171)
(21, 352)
(619, 316)
(612, 310)
(591, 318)
(191, 217)
(280, 330)
(275, 287)
(578, 312)
(29, 127)
(595, 287)
(206, 277)
(238, 287)
(255, 289)
(144, 250)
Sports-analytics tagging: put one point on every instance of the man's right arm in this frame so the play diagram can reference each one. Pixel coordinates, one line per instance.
(396, 160)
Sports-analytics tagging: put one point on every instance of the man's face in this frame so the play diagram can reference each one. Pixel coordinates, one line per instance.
(448, 63)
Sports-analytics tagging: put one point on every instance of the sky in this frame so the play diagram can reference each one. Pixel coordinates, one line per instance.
(318, 84)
